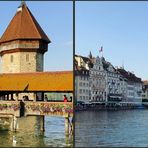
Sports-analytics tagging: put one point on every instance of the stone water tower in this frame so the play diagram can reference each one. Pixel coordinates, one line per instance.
(23, 44)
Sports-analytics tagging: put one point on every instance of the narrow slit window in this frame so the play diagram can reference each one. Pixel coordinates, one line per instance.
(27, 57)
(11, 58)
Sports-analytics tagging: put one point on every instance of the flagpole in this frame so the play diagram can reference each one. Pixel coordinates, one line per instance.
(101, 50)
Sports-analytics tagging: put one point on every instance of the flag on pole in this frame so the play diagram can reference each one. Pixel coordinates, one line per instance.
(101, 49)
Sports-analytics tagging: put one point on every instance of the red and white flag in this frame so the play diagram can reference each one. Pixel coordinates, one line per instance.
(101, 49)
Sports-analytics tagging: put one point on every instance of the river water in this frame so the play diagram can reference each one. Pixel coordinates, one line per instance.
(29, 134)
(124, 128)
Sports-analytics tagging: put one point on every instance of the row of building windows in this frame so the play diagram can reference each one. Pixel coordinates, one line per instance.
(131, 93)
(130, 88)
(97, 67)
(83, 84)
(113, 75)
(112, 81)
(97, 73)
(86, 91)
(84, 98)
(98, 92)
(113, 87)
(85, 72)
(84, 78)
(98, 99)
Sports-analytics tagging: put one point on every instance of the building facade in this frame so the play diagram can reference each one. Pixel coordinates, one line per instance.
(132, 87)
(82, 85)
(82, 90)
(112, 83)
(97, 81)
(145, 91)
(106, 83)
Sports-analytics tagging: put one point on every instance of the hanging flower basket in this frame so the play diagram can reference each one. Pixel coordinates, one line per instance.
(50, 108)
(15, 107)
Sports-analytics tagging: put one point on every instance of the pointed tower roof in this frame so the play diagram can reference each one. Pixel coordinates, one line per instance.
(90, 55)
(23, 26)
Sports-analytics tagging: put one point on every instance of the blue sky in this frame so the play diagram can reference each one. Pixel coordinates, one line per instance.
(56, 19)
(120, 27)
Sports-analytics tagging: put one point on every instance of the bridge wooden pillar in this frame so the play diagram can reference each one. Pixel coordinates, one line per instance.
(42, 96)
(11, 96)
(41, 120)
(7, 96)
(16, 94)
(67, 124)
(14, 124)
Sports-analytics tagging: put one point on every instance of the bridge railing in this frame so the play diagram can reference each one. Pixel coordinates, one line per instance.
(10, 108)
(49, 108)
(36, 108)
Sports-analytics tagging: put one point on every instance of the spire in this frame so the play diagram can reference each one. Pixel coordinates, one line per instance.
(23, 26)
(23, 3)
(122, 63)
(90, 55)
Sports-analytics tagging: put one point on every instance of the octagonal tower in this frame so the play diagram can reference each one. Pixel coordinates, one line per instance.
(23, 44)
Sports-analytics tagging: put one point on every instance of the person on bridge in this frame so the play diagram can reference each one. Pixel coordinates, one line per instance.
(70, 99)
(46, 98)
(65, 98)
(22, 108)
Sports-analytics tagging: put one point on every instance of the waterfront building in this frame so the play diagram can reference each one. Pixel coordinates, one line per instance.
(81, 81)
(83, 62)
(97, 81)
(145, 91)
(132, 86)
(82, 85)
(113, 93)
(106, 83)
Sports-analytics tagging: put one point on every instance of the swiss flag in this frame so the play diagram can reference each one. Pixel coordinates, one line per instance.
(101, 49)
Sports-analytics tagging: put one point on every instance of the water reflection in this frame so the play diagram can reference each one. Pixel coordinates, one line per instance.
(30, 135)
(14, 141)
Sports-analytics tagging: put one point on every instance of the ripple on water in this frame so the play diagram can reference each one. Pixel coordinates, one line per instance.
(115, 128)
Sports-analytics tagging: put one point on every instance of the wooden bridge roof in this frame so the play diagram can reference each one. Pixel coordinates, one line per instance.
(37, 81)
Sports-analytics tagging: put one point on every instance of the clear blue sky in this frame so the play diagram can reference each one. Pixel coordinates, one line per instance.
(56, 19)
(121, 27)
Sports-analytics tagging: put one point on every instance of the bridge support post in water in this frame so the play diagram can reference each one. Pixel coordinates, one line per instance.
(67, 125)
(42, 123)
(14, 124)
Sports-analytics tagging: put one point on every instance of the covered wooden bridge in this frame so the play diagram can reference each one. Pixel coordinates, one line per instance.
(14, 86)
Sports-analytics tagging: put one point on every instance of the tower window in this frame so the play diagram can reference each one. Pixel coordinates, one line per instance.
(11, 58)
(27, 57)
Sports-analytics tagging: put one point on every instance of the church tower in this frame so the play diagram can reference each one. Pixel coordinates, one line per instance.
(23, 44)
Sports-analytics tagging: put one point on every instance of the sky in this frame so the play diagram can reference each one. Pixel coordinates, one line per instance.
(120, 27)
(56, 19)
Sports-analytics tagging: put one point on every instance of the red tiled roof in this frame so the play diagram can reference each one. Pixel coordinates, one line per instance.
(145, 81)
(23, 26)
(130, 76)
